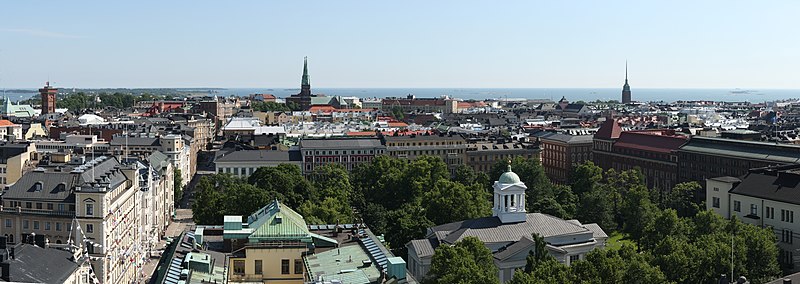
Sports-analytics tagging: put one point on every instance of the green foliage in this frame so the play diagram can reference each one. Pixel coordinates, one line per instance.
(397, 113)
(403, 198)
(683, 199)
(273, 106)
(452, 201)
(285, 179)
(177, 186)
(468, 261)
(80, 101)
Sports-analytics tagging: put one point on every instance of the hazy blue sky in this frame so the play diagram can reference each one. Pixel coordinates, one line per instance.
(676, 44)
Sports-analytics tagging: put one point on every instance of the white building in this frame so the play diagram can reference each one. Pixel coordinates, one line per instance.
(508, 233)
(765, 197)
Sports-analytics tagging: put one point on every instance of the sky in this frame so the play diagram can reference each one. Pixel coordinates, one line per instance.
(401, 44)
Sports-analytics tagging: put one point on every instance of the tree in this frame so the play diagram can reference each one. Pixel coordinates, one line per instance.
(407, 223)
(177, 186)
(683, 199)
(468, 261)
(451, 201)
(285, 179)
(586, 177)
(208, 208)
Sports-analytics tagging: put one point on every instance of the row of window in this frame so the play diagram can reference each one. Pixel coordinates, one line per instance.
(401, 144)
(344, 152)
(47, 225)
(239, 266)
(39, 205)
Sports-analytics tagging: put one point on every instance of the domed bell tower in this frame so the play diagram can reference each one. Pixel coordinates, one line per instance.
(509, 198)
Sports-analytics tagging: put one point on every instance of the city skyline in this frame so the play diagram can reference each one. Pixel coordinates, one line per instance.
(713, 44)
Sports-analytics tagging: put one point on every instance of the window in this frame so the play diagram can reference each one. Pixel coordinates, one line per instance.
(574, 258)
(737, 206)
(90, 228)
(61, 207)
(298, 266)
(238, 267)
(284, 266)
(47, 226)
(753, 209)
(28, 205)
(786, 237)
(259, 266)
(58, 226)
(35, 225)
(715, 202)
(8, 223)
(89, 209)
(25, 224)
(38, 205)
(49, 206)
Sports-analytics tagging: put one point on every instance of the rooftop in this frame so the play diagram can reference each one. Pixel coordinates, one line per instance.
(34, 264)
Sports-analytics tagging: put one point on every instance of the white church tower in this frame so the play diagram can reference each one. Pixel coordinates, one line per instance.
(509, 198)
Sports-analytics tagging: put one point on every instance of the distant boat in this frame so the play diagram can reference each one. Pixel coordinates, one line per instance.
(738, 91)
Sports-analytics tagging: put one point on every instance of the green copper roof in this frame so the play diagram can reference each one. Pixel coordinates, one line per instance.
(306, 80)
(277, 222)
(509, 177)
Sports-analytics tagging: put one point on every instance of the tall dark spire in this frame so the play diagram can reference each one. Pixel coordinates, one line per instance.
(626, 89)
(306, 81)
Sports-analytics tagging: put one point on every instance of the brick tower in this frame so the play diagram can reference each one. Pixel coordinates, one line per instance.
(48, 94)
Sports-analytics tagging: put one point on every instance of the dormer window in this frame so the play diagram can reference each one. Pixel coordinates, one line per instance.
(37, 186)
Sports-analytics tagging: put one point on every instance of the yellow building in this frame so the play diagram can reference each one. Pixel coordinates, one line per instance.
(270, 245)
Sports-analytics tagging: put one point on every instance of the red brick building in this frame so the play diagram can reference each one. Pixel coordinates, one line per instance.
(48, 94)
(654, 152)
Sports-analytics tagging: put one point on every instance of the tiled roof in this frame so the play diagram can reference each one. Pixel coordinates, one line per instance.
(609, 130)
(651, 141)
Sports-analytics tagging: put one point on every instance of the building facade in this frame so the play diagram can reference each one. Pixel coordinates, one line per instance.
(348, 152)
(702, 158)
(481, 156)
(765, 197)
(562, 153)
(450, 148)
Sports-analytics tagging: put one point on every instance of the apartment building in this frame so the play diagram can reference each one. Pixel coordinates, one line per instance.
(450, 148)
(562, 153)
(348, 152)
(765, 197)
(481, 156)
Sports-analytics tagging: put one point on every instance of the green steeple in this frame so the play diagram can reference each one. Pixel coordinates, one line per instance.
(306, 81)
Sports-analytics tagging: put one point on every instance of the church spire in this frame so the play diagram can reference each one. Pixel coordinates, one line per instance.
(626, 89)
(306, 81)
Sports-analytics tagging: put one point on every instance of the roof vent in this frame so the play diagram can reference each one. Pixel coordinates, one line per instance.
(278, 219)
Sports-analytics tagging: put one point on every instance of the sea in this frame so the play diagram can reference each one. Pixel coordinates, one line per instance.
(571, 94)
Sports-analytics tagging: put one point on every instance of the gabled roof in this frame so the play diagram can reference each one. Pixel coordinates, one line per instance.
(277, 222)
(650, 140)
(492, 230)
(609, 130)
